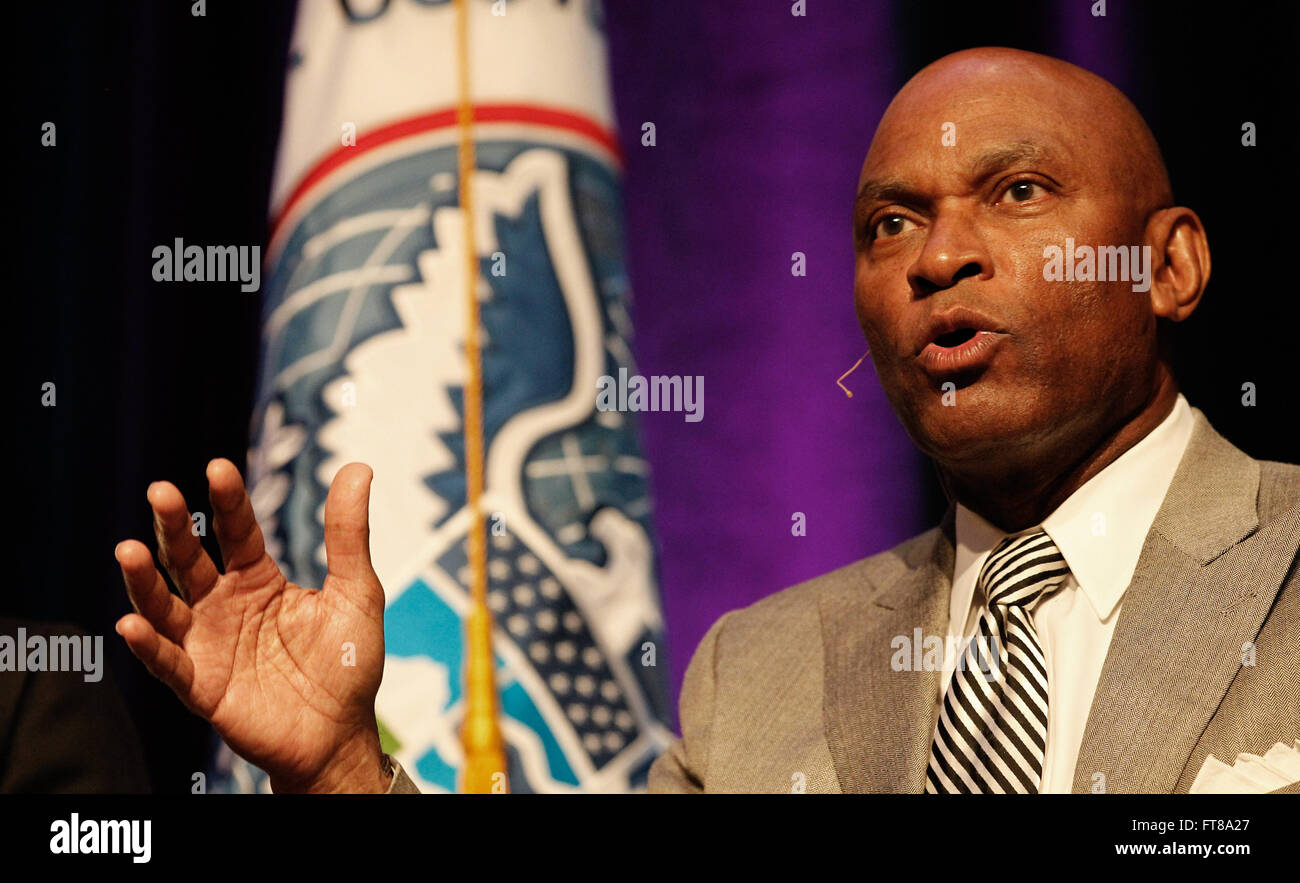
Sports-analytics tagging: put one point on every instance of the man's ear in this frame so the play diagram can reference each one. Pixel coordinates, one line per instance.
(1180, 264)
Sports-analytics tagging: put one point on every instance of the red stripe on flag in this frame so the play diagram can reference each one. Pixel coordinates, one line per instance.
(483, 113)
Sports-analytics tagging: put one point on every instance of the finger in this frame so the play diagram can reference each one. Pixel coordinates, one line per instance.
(347, 529)
(148, 591)
(179, 550)
(232, 515)
(165, 659)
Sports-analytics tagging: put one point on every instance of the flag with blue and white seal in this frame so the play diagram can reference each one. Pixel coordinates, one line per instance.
(363, 359)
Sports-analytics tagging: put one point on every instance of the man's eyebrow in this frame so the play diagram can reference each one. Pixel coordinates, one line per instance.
(988, 163)
(1002, 157)
(886, 190)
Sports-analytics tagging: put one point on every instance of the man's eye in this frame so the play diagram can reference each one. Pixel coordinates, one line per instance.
(1022, 191)
(890, 225)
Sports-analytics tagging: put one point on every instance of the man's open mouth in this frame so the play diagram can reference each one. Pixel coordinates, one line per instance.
(955, 338)
(961, 350)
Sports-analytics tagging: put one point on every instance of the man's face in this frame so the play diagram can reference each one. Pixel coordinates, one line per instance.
(949, 240)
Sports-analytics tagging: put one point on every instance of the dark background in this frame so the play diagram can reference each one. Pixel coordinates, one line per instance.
(167, 126)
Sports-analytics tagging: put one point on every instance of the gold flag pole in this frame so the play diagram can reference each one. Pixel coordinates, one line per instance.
(480, 735)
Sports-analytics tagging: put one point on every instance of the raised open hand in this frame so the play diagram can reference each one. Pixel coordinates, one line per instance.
(286, 675)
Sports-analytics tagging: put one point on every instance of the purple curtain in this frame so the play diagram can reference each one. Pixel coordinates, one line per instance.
(762, 120)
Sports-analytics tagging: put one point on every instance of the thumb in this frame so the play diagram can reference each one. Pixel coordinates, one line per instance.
(347, 528)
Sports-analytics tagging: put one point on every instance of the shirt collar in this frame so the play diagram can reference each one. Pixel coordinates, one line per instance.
(1100, 529)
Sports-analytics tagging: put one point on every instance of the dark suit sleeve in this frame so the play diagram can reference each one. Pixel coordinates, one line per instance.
(61, 734)
(681, 769)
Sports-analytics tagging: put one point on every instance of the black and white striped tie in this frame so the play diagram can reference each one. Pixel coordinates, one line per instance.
(992, 728)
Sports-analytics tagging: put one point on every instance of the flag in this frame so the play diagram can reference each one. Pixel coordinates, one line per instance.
(363, 358)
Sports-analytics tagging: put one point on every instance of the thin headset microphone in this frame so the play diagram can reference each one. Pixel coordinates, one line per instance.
(847, 391)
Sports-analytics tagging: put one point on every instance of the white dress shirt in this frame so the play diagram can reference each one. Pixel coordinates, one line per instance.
(1100, 529)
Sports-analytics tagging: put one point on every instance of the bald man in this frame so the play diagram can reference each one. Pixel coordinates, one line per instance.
(1112, 597)
(1110, 601)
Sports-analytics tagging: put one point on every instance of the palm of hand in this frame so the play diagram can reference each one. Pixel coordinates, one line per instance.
(278, 668)
(286, 675)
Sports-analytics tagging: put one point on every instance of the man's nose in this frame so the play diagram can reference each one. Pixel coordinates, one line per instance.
(953, 251)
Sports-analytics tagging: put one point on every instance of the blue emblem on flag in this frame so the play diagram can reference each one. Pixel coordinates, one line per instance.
(363, 360)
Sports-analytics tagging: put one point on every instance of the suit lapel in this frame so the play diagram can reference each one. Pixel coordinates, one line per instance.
(879, 721)
(1198, 594)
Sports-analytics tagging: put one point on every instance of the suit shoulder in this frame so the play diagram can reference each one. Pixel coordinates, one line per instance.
(870, 575)
(1279, 488)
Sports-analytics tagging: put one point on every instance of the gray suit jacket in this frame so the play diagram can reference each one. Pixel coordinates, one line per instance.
(797, 689)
